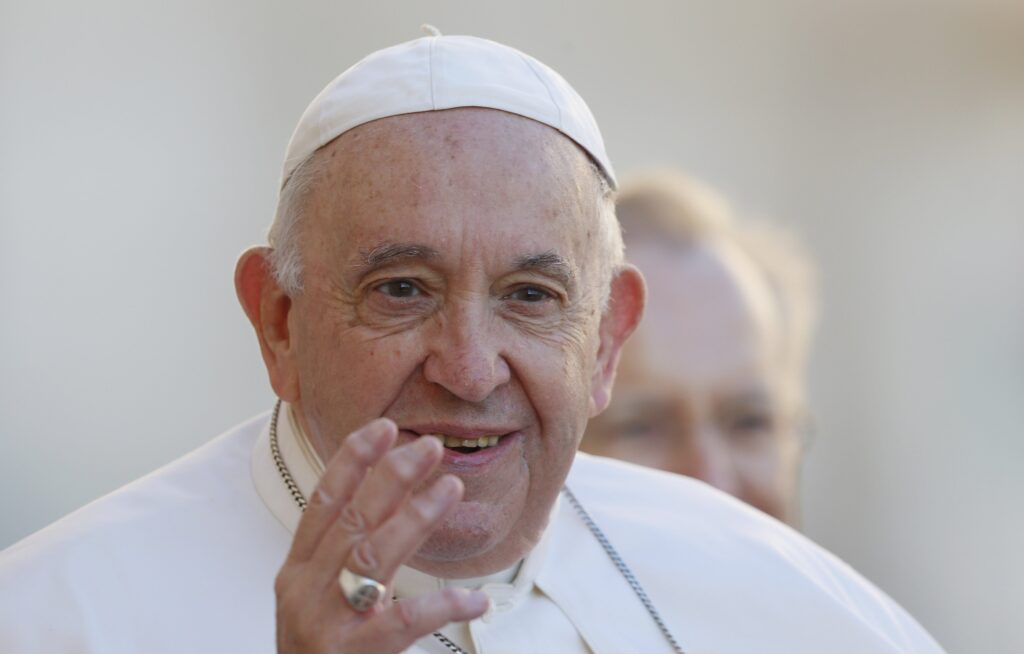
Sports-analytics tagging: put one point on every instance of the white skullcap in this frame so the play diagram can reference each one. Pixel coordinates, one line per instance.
(443, 72)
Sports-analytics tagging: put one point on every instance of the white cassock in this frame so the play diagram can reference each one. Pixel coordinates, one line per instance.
(184, 559)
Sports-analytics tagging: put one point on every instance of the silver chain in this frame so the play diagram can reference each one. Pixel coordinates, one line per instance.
(448, 643)
(613, 554)
(275, 452)
(606, 544)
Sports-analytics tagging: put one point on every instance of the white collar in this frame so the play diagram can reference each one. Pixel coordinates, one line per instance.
(302, 463)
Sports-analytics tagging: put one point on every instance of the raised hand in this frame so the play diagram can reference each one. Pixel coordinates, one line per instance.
(366, 516)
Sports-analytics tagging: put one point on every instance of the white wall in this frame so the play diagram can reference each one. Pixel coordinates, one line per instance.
(139, 152)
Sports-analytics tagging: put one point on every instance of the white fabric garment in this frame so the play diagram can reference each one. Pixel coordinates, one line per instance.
(183, 560)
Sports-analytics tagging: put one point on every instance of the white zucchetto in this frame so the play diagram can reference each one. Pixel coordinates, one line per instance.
(444, 72)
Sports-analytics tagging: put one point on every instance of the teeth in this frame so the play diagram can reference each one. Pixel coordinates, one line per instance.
(452, 441)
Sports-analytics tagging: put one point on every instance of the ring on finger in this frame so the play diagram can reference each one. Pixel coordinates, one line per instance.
(360, 592)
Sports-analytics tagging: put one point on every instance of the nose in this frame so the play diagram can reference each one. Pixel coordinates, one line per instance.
(466, 355)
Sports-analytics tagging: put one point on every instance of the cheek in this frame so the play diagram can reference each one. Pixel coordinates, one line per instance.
(370, 368)
(347, 378)
(557, 383)
(552, 378)
(761, 471)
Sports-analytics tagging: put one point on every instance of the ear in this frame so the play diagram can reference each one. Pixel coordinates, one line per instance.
(267, 306)
(625, 308)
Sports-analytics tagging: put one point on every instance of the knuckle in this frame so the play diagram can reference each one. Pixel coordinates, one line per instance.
(281, 583)
(288, 602)
(357, 449)
(402, 468)
(456, 598)
(422, 511)
(364, 556)
(408, 614)
(352, 520)
(318, 498)
(363, 444)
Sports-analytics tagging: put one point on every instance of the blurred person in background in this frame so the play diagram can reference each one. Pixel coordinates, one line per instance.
(712, 383)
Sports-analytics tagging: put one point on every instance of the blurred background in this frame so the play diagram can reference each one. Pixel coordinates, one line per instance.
(140, 146)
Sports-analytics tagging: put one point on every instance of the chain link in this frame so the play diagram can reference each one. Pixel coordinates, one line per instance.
(449, 644)
(275, 452)
(606, 544)
(613, 554)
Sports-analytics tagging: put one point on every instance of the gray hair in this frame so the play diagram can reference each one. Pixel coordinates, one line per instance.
(284, 234)
(612, 253)
(285, 253)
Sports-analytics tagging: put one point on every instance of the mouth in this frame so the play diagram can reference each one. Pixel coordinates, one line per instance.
(464, 445)
(468, 449)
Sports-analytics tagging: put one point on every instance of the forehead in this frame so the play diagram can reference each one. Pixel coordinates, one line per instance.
(462, 177)
(711, 319)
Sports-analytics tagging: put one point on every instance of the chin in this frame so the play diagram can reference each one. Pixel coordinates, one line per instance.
(471, 530)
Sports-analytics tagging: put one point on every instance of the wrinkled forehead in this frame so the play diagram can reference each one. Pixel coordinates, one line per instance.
(461, 173)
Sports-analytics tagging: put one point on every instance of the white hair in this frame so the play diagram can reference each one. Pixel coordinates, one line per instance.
(284, 234)
(285, 253)
(611, 255)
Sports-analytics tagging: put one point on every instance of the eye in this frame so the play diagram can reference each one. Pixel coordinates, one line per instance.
(399, 288)
(530, 294)
(637, 428)
(752, 424)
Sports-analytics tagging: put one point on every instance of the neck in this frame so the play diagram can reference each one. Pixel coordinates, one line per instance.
(311, 439)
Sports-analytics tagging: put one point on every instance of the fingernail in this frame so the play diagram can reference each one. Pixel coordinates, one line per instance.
(415, 452)
(374, 428)
(428, 444)
(367, 436)
(472, 600)
(436, 501)
(475, 600)
(444, 488)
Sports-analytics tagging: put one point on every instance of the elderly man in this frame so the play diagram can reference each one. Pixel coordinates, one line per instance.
(711, 385)
(440, 312)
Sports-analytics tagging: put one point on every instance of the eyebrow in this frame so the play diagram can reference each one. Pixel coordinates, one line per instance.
(758, 396)
(548, 263)
(386, 254)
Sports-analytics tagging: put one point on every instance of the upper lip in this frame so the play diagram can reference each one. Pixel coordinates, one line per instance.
(459, 431)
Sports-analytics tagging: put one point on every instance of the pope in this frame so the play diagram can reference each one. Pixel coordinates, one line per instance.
(440, 309)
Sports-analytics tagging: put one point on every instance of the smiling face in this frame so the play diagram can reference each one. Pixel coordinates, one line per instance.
(451, 282)
(703, 389)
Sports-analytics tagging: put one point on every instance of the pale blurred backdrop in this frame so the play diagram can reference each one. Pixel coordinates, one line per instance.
(140, 145)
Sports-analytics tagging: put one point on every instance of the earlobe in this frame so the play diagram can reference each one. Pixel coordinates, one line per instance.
(267, 306)
(625, 308)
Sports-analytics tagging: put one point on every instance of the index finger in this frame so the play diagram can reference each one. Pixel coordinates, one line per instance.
(360, 451)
